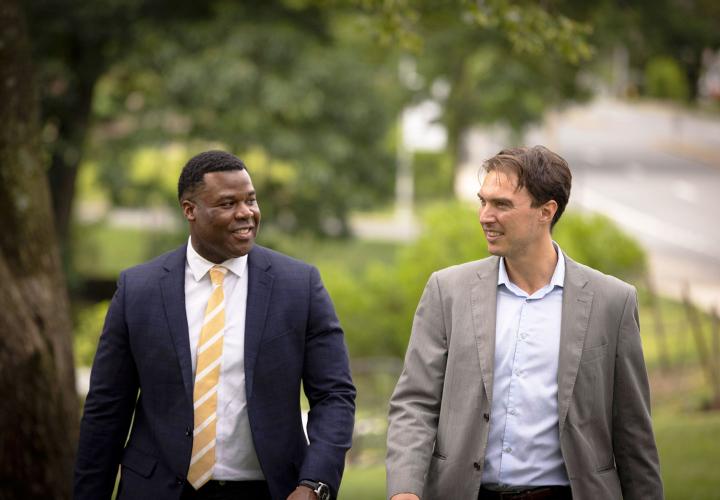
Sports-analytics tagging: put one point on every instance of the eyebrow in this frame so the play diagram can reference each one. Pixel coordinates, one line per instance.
(228, 196)
(496, 200)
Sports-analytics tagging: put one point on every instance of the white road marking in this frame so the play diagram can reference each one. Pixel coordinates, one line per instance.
(642, 222)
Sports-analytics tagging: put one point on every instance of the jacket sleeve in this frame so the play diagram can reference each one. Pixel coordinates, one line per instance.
(415, 403)
(329, 389)
(109, 406)
(636, 455)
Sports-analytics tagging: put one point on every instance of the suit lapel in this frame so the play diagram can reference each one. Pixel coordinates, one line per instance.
(172, 286)
(576, 306)
(260, 283)
(483, 303)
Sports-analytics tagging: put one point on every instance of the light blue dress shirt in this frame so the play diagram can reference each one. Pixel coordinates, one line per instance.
(524, 443)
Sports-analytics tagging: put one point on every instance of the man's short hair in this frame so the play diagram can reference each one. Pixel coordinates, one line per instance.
(544, 174)
(195, 169)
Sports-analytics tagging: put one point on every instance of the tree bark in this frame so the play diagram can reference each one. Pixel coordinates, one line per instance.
(39, 409)
(71, 111)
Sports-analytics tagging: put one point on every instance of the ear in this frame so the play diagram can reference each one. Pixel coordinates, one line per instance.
(188, 208)
(547, 211)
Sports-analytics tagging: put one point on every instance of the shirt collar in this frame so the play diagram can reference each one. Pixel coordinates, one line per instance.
(557, 279)
(199, 265)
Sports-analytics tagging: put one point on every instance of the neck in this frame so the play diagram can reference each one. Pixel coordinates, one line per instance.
(534, 268)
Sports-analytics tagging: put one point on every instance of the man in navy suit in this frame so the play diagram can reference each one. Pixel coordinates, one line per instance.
(279, 331)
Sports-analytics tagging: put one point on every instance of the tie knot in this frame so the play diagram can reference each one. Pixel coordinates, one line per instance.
(217, 275)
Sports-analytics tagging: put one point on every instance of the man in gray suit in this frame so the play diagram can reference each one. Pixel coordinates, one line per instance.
(524, 377)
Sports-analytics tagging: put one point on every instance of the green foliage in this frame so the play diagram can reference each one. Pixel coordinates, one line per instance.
(294, 97)
(376, 287)
(101, 252)
(88, 326)
(491, 81)
(665, 79)
(529, 28)
(377, 306)
(434, 176)
(596, 241)
(534, 30)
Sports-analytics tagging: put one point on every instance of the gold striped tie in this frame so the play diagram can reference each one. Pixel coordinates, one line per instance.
(207, 375)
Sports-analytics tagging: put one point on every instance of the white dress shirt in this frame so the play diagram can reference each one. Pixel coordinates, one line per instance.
(235, 456)
(524, 443)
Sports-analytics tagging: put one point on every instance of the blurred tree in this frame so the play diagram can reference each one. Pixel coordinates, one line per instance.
(245, 75)
(74, 43)
(264, 86)
(303, 80)
(680, 29)
(39, 413)
(494, 61)
(646, 29)
(665, 79)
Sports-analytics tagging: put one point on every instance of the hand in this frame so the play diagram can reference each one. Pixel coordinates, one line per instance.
(405, 496)
(302, 493)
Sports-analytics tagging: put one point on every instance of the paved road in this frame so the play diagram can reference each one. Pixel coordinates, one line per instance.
(656, 172)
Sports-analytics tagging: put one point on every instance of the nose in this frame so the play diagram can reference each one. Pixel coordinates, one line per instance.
(486, 214)
(243, 211)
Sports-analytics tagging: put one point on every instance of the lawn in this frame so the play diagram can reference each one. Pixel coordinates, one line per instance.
(688, 443)
(689, 446)
(363, 483)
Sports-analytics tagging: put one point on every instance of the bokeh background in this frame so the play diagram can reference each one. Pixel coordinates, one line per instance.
(363, 124)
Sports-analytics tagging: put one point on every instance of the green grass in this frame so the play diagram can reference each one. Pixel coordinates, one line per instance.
(101, 251)
(363, 483)
(688, 443)
(689, 447)
(352, 253)
(679, 339)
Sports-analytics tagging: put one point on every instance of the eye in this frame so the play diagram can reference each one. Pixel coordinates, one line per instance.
(252, 201)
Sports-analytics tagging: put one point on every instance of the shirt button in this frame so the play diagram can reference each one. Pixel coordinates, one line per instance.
(512, 411)
(508, 450)
(523, 335)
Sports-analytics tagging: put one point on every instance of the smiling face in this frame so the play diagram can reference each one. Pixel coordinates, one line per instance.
(512, 226)
(224, 215)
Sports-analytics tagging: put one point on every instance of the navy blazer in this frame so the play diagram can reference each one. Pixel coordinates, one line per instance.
(142, 374)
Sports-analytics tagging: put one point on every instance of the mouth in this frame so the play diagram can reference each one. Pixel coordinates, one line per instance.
(492, 235)
(243, 232)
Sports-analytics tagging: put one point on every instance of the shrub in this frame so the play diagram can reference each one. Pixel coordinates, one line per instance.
(596, 241)
(665, 79)
(377, 307)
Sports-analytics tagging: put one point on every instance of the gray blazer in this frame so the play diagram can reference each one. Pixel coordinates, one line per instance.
(440, 409)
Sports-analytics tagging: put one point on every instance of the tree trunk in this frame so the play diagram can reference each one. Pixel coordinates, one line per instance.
(71, 111)
(39, 409)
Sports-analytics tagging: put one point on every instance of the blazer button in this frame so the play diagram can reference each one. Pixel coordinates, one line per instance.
(476, 465)
(180, 480)
(486, 417)
(188, 432)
